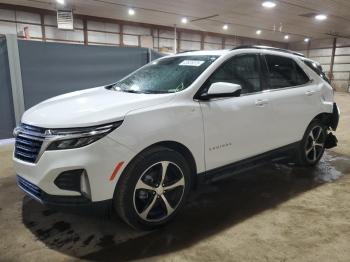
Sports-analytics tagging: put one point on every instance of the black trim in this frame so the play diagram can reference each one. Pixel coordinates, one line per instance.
(334, 121)
(331, 141)
(69, 180)
(265, 72)
(206, 96)
(281, 154)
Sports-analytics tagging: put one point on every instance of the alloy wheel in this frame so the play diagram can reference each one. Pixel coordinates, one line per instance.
(159, 191)
(314, 144)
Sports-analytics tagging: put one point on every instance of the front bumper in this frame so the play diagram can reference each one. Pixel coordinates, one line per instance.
(41, 196)
(77, 204)
(98, 159)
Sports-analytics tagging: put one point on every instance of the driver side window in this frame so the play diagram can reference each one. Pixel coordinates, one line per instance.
(242, 70)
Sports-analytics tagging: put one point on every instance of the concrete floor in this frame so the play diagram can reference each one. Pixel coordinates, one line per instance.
(275, 213)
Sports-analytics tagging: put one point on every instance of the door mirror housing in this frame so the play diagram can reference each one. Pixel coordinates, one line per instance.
(222, 89)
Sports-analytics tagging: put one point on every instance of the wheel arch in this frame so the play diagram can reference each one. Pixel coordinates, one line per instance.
(329, 119)
(324, 118)
(173, 145)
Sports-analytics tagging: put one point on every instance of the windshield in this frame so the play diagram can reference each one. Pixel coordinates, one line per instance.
(167, 75)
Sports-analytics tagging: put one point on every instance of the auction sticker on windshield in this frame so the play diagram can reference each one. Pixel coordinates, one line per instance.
(191, 63)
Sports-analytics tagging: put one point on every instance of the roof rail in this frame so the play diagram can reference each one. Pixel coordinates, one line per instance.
(268, 48)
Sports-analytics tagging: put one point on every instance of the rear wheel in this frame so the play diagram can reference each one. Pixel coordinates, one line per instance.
(312, 146)
(153, 188)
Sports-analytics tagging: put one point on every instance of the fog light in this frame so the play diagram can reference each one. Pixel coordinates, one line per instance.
(69, 180)
(85, 185)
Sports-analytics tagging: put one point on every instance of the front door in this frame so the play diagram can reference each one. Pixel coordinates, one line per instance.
(236, 128)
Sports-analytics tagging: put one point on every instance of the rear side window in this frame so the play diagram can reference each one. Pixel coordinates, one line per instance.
(284, 72)
(317, 69)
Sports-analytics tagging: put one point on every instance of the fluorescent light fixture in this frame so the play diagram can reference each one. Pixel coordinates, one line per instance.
(131, 11)
(269, 4)
(184, 20)
(321, 17)
(307, 40)
(258, 32)
(286, 37)
(61, 2)
(225, 27)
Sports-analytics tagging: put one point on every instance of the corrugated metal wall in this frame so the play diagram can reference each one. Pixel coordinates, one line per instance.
(321, 51)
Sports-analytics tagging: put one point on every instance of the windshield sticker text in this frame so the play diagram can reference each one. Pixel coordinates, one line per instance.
(191, 63)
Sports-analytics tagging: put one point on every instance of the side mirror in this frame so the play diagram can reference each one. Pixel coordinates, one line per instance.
(222, 89)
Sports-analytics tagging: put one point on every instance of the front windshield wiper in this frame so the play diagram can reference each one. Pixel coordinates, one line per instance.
(145, 91)
(132, 91)
(118, 89)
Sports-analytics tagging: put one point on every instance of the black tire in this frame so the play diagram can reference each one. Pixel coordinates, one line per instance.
(129, 201)
(308, 148)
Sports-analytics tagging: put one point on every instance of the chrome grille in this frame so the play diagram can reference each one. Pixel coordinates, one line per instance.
(29, 140)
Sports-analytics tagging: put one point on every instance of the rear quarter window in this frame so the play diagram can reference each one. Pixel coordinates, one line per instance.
(317, 69)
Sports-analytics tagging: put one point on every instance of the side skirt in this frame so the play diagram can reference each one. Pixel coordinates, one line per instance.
(282, 154)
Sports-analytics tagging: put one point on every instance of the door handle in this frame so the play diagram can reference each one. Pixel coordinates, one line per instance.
(309, 93)
(261, 102)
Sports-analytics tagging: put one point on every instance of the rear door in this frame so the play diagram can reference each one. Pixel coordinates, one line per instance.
(292, 95)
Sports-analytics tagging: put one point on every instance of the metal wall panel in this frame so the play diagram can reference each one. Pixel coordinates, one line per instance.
(51, 69)
(7, 116)
(320, 52)
(342, 51)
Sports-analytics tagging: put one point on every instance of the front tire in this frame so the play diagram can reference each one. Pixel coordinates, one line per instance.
(312, 147)
(153, 188)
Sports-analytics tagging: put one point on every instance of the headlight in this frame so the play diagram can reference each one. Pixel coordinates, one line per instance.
(69, 138)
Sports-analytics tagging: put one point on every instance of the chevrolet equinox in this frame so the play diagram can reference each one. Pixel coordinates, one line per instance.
(139, 145)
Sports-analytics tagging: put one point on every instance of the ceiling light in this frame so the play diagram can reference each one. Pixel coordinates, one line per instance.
(131, 11)
(61, 2)
(258, 32)
(321, 17)
(306, 40)
(268, 4)
(286, 37)
(225, 27)
(184, 20)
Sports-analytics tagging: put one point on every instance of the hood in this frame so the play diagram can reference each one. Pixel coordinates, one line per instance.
(89, 107)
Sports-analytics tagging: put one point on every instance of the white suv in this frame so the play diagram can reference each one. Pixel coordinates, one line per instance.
(141, 144)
